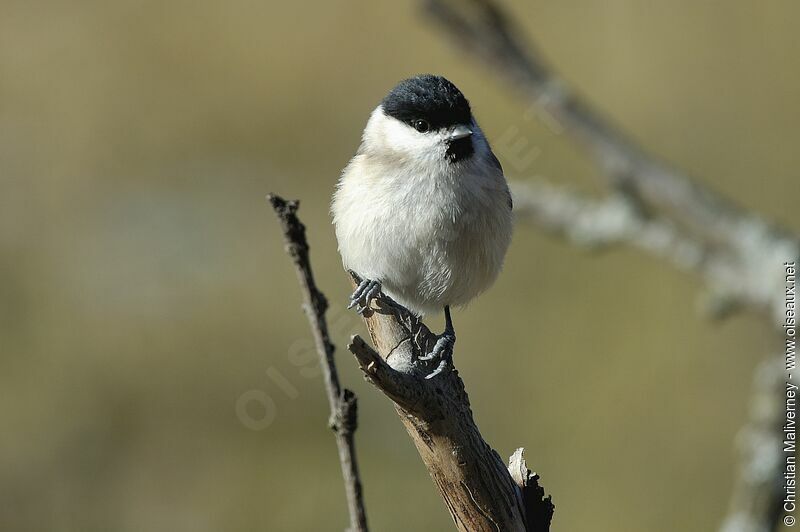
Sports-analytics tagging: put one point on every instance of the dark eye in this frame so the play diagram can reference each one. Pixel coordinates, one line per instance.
(421, 125)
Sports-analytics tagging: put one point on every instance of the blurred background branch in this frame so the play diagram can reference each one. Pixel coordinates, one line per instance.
(748, 252)
(756, 503)
(655, 208)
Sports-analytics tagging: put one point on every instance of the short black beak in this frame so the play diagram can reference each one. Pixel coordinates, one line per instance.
(459, 132)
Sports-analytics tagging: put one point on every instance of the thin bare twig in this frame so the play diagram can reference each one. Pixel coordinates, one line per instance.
(343, 418)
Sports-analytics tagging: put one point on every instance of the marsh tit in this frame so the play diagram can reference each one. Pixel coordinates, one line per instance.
(423, 211)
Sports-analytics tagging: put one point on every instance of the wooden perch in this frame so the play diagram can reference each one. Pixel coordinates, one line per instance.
(480, 491)
(343, 403)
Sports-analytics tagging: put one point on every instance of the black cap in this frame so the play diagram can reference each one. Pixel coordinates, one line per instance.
(428, 97)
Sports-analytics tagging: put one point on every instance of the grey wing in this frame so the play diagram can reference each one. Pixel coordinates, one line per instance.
(496, 163)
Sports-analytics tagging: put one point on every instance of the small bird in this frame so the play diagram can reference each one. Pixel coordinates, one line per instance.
(422, 211)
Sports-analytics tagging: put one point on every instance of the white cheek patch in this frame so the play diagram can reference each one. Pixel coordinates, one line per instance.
(388, 134)
(404, 138)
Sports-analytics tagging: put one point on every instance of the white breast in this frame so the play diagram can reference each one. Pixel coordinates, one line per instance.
(432, 234)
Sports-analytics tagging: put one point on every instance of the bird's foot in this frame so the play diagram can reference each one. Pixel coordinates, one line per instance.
(367, 291)
(443, 352)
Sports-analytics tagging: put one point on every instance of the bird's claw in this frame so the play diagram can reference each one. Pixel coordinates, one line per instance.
(367, 291)
(443, 351)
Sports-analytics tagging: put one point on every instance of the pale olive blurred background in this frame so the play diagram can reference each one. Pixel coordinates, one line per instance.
(155, 368)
